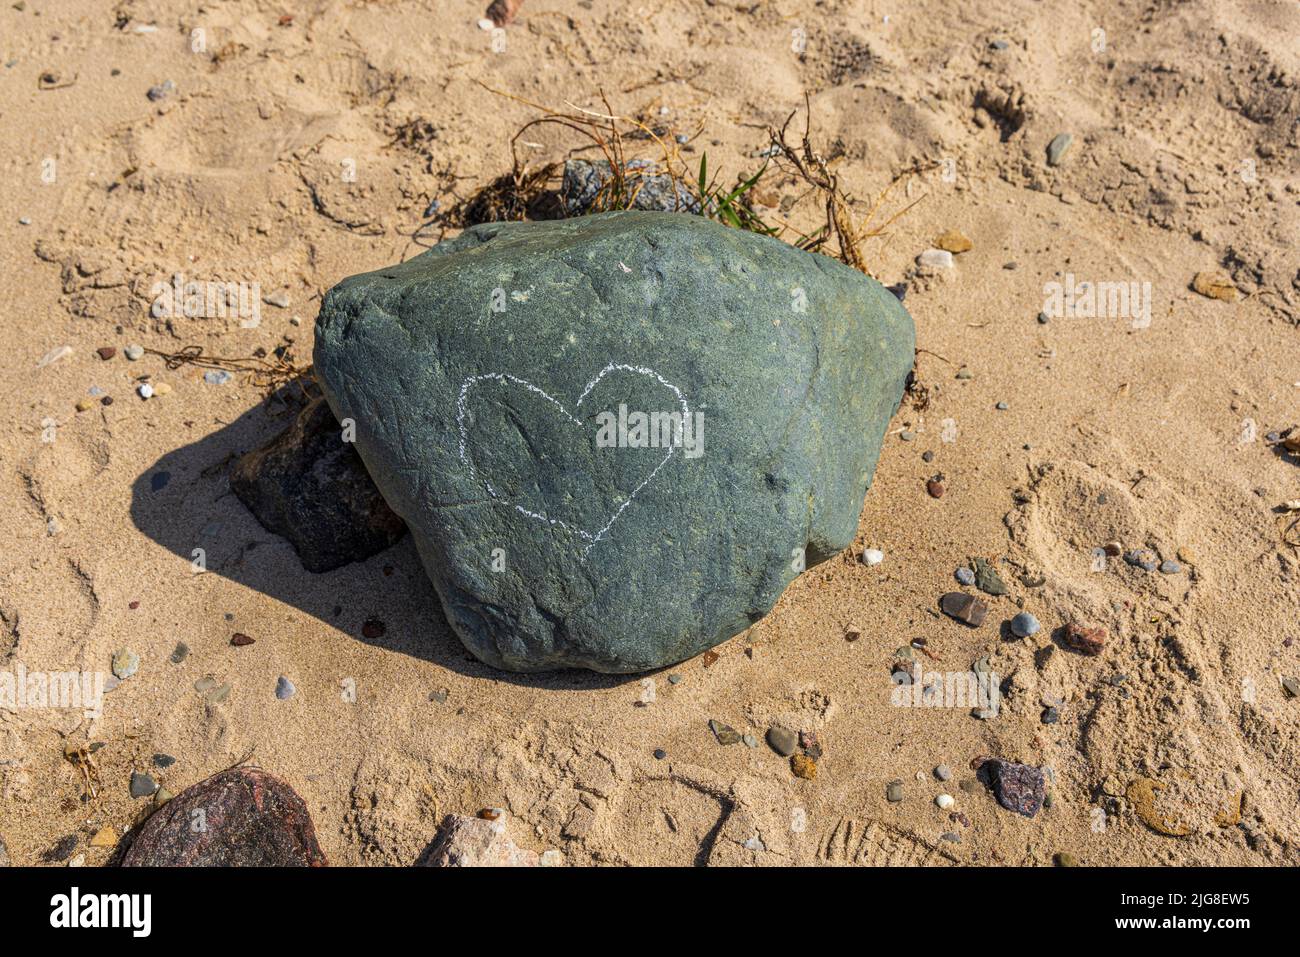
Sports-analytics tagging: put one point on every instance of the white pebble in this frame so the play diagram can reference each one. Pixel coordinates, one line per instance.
(145, 390)
(486, 24)
(872, 556)
(54, 355)
(935, 259)
(944, 801)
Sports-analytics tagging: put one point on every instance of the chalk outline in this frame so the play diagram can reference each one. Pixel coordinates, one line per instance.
(472, 381)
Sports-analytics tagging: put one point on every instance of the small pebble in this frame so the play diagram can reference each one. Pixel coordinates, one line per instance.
(935, 259)
(750, 740)
(1057, 149)
(965, 608)
(943, 772)
(660, 754)
(181, 653)
(965, 576)
(1141, 558)
(803, 767)
(782, 740)
(1051, 716)
(1001, 407)
(106, 352)
(133, 352)
(125, 663)
(907, 435)
(1043, 318)
(951, 836)
(894, 792)
(674, 679)
(161, 91)
(284, 688)
(145, 390)
(1170, 567)
(163, 761)
(142, 785)
(965, 374)
(945, 801)
(279, 299)
(217, 377)
(1024, 625)
(872, 556)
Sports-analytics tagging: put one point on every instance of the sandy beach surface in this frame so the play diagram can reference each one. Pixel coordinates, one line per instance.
(291, 147)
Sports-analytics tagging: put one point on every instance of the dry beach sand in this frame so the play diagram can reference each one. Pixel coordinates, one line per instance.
(302, 143)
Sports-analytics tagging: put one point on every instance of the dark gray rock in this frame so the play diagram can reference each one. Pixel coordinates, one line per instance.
(782, 740)
(484, 374)
(242, 817)
(1018, 787)
(588, 186)
(311, 487)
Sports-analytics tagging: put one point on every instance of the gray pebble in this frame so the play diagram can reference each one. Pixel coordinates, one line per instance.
(1057, 149)
(750, 740)
(1043, 319)
(1001, 407)
(125, 663)
(952, 836)
(674, 679)
(133, 352)
(943, 772)
(907, 436)
(284, 688)
(965, 374)
(279, 299)
(217, 377)
(1170, 567)
(142, 785)
(1051, 716)
(1024, 625)
(894, 791)
(782, 740)
(1141, 558)
(965, 576)
(161, 91)
(181, 653)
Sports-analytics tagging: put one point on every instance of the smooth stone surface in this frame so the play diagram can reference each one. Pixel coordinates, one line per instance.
(311, 487)
(1024, 625)
(782, 740)
(967, 609)
(284, 688)
(251, 818)
(142, 785)
(1057, 149)
(549, 551)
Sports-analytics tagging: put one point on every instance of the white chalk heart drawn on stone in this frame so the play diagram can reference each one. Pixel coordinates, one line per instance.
(591, 538)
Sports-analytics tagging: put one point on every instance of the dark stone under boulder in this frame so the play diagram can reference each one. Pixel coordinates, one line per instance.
(241, 817)
(311, 487)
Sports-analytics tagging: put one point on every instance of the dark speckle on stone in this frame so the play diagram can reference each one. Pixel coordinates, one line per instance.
(158, 481)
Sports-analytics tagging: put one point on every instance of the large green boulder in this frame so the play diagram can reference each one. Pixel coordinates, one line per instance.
(617, 438)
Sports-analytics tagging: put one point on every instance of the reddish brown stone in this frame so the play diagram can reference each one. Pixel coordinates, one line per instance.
(965, 608)
(935, 488)
(240, 640)
(1086, 641)
(242, 817)
(106, 352)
